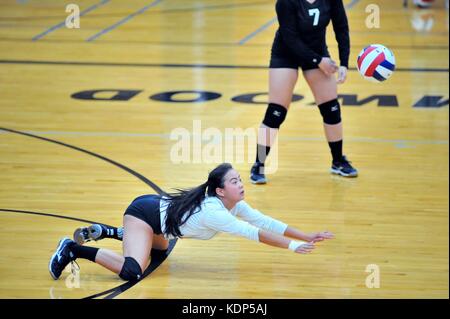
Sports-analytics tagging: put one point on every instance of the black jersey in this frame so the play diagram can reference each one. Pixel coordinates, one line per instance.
(303, 28)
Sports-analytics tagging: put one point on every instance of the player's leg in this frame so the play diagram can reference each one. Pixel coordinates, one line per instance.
(98, 231)
(324, 89)
(281, 87)
(140, 222)
(137, 244)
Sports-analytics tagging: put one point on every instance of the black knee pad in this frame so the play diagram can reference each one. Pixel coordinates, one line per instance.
(331, 112)
(158, 254)
(275, 115)
(130, 270)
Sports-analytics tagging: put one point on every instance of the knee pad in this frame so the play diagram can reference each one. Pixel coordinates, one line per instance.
(130, 270)
(275, 115)
(331, 112)
(158, 254)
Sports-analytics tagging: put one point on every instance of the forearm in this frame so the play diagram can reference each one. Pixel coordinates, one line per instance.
(297, 234)
(280, 241)
(344, 49)
(272, 239)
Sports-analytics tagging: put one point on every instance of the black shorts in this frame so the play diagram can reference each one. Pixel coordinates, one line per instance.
(289, 62)
(282, 57)
(146, 208)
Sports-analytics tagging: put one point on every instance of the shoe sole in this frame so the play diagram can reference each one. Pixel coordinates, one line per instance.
(259, 181)
(78, 236)
(338, 172)
(61, 242)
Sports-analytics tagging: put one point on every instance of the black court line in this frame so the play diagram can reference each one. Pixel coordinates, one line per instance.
(153, 265)
(113, 292)
(50, 215)
(121, 166)
(191, 66)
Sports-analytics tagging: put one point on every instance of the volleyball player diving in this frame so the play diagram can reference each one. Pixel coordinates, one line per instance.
(151, 221)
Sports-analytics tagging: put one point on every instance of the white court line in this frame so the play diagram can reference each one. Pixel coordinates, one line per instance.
(284, 138)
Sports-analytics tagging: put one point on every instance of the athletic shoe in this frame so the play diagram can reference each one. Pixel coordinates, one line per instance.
(343, 168)
(257, 174)
(61, 258)
(94, 232)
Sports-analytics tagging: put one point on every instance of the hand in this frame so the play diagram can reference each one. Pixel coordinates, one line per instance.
(342, 75)
(315, 237)
(305, 248)
(328, 66)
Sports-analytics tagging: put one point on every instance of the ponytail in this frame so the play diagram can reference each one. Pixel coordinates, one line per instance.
(186, 202)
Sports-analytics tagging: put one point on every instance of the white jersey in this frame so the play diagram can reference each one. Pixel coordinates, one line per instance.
(214, 217)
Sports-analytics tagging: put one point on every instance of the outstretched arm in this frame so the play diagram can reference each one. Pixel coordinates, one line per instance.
(283, 242)
(258, 219)
(311, 237)
(221, 220)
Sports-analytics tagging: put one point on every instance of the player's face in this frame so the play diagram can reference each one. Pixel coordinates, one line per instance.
(233, 186)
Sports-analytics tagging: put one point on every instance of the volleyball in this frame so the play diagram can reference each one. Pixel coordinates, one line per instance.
(376, 63)
(423, 3)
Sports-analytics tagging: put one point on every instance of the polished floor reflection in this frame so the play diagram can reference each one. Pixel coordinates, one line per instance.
(90, 118)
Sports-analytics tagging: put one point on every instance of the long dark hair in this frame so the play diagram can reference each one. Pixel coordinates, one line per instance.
(185, 202)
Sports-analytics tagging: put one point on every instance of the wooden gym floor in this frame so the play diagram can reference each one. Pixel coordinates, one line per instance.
(393, 216)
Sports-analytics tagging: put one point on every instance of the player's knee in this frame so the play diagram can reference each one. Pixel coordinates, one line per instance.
(130, 270)
(331, 112)
(275, 115)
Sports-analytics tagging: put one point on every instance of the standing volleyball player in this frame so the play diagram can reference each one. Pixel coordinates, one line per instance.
(300, 43)
(198, 213)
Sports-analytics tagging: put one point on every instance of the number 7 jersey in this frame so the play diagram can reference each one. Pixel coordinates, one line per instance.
(302, 30)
